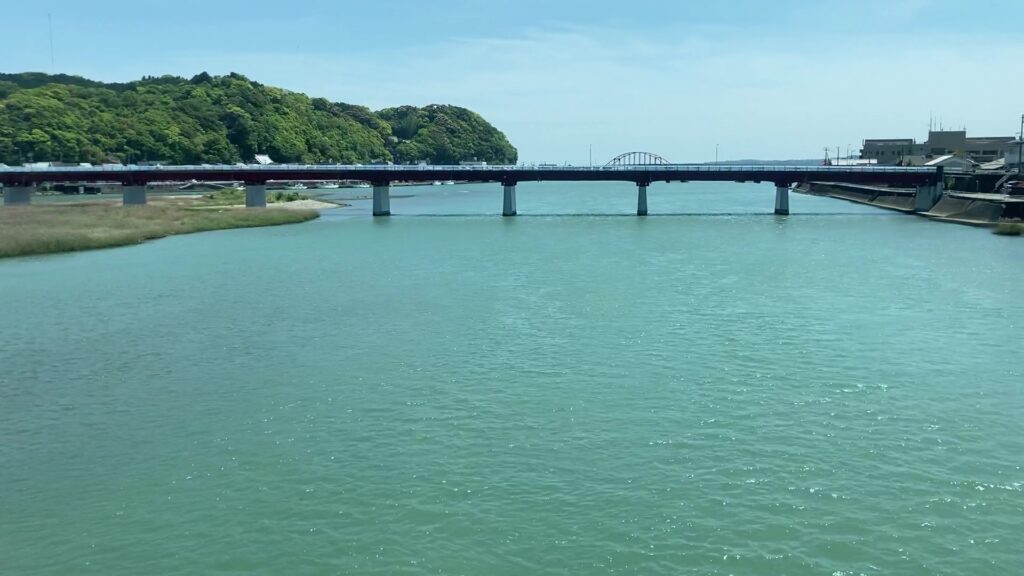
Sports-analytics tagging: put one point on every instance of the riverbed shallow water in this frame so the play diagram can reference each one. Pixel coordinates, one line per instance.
(708, 390)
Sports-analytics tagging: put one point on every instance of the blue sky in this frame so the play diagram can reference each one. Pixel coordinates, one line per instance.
(777, 79)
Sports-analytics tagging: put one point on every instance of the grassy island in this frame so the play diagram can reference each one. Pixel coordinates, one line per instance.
(44, 229)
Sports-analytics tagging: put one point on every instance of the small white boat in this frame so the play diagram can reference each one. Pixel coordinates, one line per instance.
(328, 186)
(449, 182)
(362, 185)
(435, 183)
(297, 186)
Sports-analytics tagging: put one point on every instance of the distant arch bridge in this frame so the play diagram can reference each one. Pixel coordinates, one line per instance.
(638, 159)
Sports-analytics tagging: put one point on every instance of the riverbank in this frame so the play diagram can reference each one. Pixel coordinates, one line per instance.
(969, 209)
(898, 199)
(32, 230)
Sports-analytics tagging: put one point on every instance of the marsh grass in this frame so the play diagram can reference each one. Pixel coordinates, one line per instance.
(236, 196)
(1009, 228)
(27, 230)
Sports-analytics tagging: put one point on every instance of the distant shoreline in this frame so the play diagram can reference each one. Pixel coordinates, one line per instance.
(979, 210)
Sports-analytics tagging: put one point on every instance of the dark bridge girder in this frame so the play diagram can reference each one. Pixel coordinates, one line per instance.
(509, 175)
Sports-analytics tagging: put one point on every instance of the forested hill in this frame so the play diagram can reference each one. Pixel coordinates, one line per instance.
(225, 119)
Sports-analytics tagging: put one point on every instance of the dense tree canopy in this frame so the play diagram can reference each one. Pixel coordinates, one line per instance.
(445, 135)
(224, 119)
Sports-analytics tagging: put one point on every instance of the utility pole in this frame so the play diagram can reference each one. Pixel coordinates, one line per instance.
(591, 155)
(1020, 147)
(53, 60)
(716, 153)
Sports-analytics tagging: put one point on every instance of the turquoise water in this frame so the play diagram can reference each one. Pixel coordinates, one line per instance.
(714, 391)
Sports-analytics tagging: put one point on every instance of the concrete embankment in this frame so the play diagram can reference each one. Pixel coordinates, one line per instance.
(899, 199)
(968, 209)
(956, 207)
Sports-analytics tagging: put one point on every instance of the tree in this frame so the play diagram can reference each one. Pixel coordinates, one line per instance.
(217, 119)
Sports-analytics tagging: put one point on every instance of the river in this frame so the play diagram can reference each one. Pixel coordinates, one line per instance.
(709, 390)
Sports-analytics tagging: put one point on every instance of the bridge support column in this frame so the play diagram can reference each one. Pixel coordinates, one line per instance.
(927, 197)
(641, 200)
(508, 207)
(133, 195)
(782, 199)
(256, 196)
(17, 195)
(382, 199)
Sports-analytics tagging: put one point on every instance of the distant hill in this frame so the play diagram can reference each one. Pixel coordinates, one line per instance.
(769, 162)
(225, 119)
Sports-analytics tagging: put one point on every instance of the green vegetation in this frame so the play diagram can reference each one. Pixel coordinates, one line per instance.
(236, 197)
(224, 119)
(279, 197)
(27, 230)
(1010, 228)
(445, 135)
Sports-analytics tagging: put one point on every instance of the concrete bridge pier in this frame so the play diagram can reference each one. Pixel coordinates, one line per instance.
(17, 195)
(255, 195)
(782, 199)
(382, 199)
(508, 207)
(641, 199)
(927, 197)
(133, 195)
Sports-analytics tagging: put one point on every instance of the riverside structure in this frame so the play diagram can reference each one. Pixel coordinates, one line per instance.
(19, 182)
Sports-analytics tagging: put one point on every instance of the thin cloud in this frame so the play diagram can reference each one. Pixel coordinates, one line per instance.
(556, 91)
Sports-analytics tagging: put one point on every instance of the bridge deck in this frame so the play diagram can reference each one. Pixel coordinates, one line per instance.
(251, 174)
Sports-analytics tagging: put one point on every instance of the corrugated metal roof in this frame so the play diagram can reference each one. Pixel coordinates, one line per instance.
(939, 160)
(949, 159)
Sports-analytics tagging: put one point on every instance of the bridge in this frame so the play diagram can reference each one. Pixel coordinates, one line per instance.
(19, 182)
(638, 159)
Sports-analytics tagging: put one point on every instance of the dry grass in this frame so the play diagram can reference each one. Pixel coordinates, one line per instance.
(26, 230)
